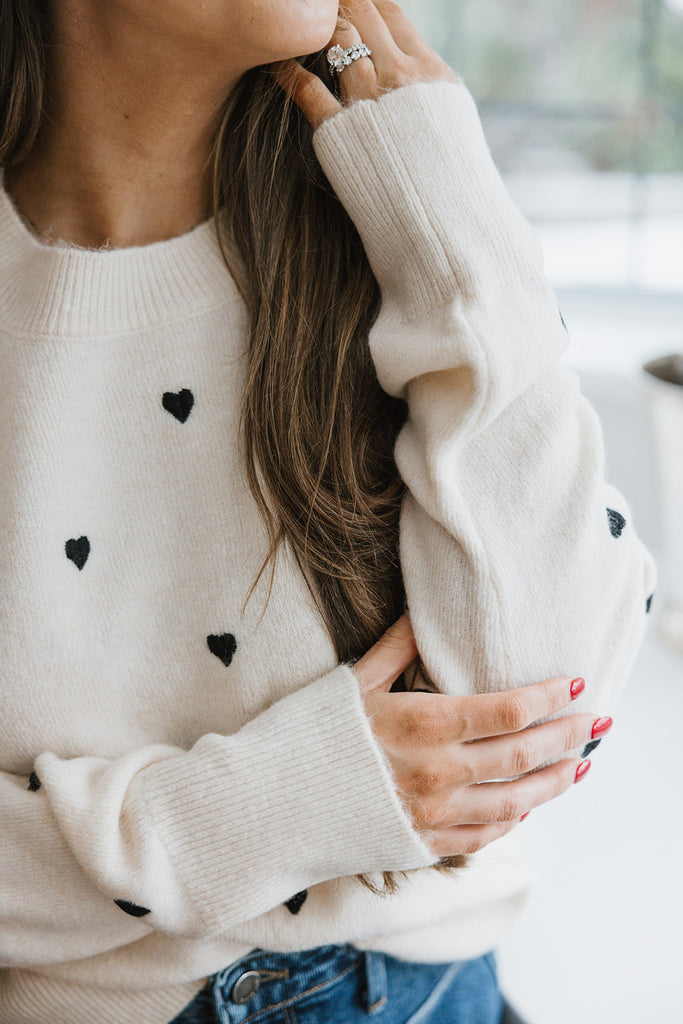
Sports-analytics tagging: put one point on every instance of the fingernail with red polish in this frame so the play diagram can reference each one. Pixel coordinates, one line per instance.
(601, 726)
(525, 815)
(578, 686)
(581, 770)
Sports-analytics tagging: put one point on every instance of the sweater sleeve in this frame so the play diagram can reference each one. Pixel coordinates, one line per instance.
(97, 852)
(520, 560)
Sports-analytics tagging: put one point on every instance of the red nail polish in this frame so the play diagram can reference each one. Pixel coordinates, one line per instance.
(525, 815)
(601, 726)
(581, 770)
(578, 686)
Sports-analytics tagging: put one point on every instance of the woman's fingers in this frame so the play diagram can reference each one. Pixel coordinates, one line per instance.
(494, 714)
(364, 23)
(381, 666)
(451, 756)
(466, 838)
(399, 56)
(433, 719)
(447, 839)
(403, 32)
(491, 802)
(308, 91)
(358, 81)
(505, 757)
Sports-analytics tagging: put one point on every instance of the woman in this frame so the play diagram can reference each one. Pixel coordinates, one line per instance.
(219, 797)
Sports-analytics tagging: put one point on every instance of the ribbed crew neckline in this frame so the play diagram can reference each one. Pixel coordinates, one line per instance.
(64, 291)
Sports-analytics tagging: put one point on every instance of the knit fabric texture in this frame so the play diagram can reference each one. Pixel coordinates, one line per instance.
(183, 779)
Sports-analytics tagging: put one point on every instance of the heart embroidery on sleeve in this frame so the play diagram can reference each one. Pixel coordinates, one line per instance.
(295, 903)
(178, 404)
(590, 747)
(132, 908)
(616, 522)
(223, 646)
(77, 551)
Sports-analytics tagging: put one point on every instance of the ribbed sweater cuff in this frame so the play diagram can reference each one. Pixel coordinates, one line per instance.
(300, 795)
(414, 171)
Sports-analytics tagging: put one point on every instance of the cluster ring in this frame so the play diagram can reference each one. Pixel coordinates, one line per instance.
(338, 58)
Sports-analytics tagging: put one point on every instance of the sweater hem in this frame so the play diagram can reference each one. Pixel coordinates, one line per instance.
(26, 997)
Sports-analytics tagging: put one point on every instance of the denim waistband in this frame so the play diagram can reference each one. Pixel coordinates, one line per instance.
(286, 977)
(341, 984)
(270, 982)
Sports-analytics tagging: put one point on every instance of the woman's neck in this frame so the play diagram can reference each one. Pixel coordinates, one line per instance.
(123, 157)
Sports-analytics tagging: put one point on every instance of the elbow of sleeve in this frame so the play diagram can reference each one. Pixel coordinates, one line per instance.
(620, 634)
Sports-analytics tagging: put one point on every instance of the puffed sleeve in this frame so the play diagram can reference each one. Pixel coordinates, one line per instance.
(521, 560)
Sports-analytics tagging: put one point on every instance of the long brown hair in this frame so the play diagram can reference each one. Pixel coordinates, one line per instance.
(317, 430)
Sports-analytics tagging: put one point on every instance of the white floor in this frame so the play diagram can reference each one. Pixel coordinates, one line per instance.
(602, 939)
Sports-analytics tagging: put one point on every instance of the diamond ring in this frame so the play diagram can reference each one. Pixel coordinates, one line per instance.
(338, 58)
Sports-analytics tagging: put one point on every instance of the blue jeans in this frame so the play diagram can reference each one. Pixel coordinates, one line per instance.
(345, 985)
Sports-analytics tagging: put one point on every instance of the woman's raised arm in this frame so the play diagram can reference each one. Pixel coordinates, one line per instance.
(519, 558)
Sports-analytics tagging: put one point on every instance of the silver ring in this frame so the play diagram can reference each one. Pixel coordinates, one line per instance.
(338, 59)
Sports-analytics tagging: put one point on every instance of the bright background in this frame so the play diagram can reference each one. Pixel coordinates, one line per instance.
(582, 107)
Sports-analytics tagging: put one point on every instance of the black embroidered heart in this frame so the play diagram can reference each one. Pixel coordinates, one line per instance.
(223, 646)
(616, 522)
(132, 908)
(179, 405)
(295, 904)
(590, 747)
(78, 551)
(34, 782)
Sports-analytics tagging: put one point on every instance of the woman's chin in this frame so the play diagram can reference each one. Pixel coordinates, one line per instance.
(313, 32)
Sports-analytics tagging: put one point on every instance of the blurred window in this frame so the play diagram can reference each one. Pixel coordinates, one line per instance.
(582, 106)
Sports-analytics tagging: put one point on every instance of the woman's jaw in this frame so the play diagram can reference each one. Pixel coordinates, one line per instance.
(135, 90)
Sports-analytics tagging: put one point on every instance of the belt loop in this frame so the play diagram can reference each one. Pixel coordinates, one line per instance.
(375, 981)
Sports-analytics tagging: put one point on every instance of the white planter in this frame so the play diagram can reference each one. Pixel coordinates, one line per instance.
(662, 382)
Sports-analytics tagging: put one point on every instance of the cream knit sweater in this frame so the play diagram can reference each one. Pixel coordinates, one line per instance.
(173, 771)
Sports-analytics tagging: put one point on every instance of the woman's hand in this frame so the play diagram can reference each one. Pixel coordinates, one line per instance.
(399, 56)
(443, 750)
